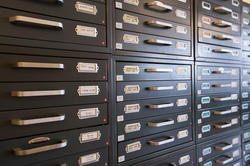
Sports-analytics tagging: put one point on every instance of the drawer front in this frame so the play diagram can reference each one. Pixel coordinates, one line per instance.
(246, 135)
(130, 41)
(233, 4)
(30, 68)
(245, 107)
(127, 71)
(27, 151)
(246, 33)
(130, 110)
(134, 22)
(246, 45)
(245, 118)
(219, 11)
(218, 38)
(218, 52)
(209, 87)
(83, 10)
(90, 158)
(134, 148)
(217, 113)
(245, 85)
(217, 100)
(163, 9)
(229, 159)
(217, 147)
(217, 73)
(245, 73)
(246, 147)
(245, 95)
(34, 95)
(216, 127)
(25, 25)
(219, 25)
(22, 123)
(151, 89)
(245, 56)
(147, 126)
(184, 157)
(245, 22)
(246, 159)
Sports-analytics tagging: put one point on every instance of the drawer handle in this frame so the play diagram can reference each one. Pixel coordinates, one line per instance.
(166, 141)
(64, 164)
(223, 37)
(223, 148)
(222, 51)
(160, 6)
(159, 42)
(160, 106)
(222, 85)
(230, 159)
(60, 2)
(222, 98)
(223, 112)
(223, 126)
(160, 88)
(161, 124)
(22, 152)
(39, 65)
(36, 21)
(159, 24)
(222, 72)
(223, 10)
(222, 24)
(38, 93)
(172, 164)
(159, 70)
(20, 122)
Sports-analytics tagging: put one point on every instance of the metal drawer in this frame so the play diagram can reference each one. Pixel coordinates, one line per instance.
(218, 38)
(219, 11)
(151, 89)
(218, 52)
(245, 95)
(245, 56)
(233, 4)
(36, 68)
(48, 146)
(138, 147)
(245, 119)
(245, 107)
(245, 22)
(147, 126)
(246, 33)
(90, 158)
(130, 41)
(217, 73)
(246, 147)
(139, 23)
(184, 157)
(219, 25)
(217, 113)
(228, 159)
(36, 95)
(127, 71)
(208, 129)
(217, 100)
(81, 10)
(246, 135)
(130, 110)
(210, 87)
(217, 147)
(246, 45)
(246, 159)
(159, 9)
(18, 24)
(22, 123)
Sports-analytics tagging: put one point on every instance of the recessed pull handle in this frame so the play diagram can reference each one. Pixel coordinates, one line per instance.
(224, 112)
(223, 148)
(222, 85)
(163, 142)
(60, 2)
(222, 51)
(223, 37)
(222, 98)
(222, 72)
(39, 65)
(36, 22)
(159, 70)
(161, 124)
(26, 152)
(172, 164)
(159, 24)
(64, 164)
(160, 106)
(222, 24)
(159, 42)
(20, 122)
(223, 10)
(37, 93)
(224, 162)
(226, 125)
(160, 88)
(160, 6)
